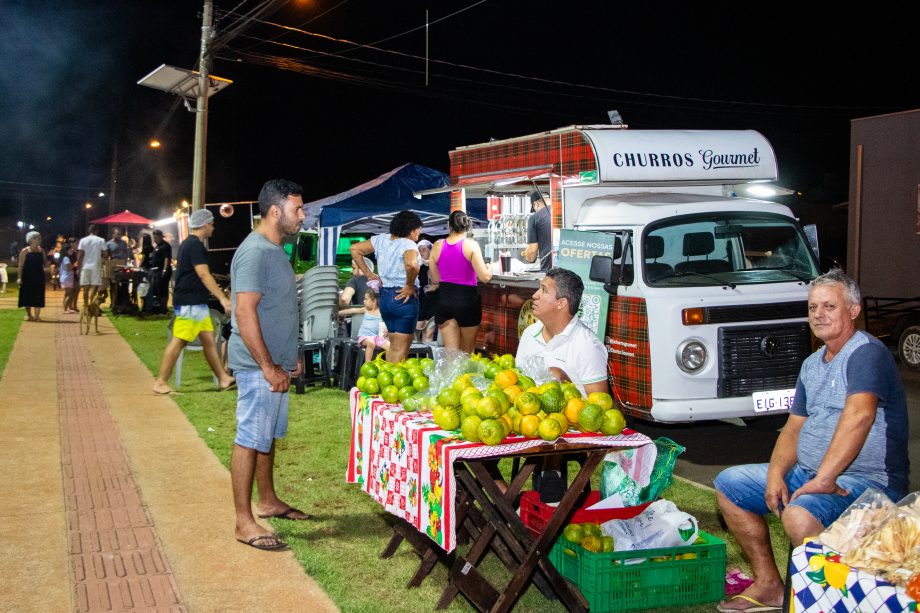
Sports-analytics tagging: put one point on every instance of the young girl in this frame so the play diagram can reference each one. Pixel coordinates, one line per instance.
(373, 332)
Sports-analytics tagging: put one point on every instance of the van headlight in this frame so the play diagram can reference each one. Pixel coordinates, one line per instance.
(691, 356)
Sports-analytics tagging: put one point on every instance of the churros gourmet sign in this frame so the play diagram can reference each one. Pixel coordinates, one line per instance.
(661, 156)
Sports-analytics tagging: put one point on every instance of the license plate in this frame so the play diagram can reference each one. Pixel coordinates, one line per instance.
(773, 400)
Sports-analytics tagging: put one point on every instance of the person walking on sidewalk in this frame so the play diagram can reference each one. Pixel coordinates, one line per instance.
(32, 276)
(263, 356)
(89, 262)
(194, 286)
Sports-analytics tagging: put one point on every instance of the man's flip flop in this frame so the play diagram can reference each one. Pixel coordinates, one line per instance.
(230, 386)
(266, 542)
(287, 515)
(755, 605)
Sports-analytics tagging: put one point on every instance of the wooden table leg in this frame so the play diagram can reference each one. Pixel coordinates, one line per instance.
(486, 533)
(528, 556)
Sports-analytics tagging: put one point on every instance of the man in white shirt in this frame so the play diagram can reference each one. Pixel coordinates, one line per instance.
(89, 261)
(565, 346)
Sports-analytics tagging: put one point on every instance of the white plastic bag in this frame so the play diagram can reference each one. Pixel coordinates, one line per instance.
(661, 524)
(142, 288)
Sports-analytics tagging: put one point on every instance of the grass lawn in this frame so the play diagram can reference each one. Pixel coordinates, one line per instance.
(340, 548)
(10, 320)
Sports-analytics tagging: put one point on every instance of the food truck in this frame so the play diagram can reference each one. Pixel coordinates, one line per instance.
(698, 290)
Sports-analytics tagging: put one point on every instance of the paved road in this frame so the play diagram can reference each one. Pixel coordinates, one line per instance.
(712, 446)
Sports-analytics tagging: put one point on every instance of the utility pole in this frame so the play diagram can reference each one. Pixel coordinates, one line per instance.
(201, 110)
(113, 182)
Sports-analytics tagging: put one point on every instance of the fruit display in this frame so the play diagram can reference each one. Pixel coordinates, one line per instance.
(589, 536)
(487, 399)
(396, 383)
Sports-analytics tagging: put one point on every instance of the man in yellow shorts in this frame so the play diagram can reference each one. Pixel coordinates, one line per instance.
(194, 287)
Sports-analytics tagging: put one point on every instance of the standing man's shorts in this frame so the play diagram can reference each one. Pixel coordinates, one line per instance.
(261, 414)
(191, 320)
(91, 276)
(745, 486)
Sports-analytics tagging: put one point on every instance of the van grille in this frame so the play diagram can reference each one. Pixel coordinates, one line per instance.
(758, 358)
(755, 312)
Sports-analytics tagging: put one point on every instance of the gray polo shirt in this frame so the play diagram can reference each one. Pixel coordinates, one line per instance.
(261, 266)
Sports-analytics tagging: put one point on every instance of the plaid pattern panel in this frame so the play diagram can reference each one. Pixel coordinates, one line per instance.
(834, 587)
(404, 462)
(568, 152)
(630, 358)
(502, 319)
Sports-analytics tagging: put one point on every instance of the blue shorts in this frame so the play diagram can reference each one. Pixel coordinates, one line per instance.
(400, 317)
(261, 414)
(745, 486)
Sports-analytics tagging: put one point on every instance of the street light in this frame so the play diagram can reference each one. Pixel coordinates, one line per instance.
(201, 84)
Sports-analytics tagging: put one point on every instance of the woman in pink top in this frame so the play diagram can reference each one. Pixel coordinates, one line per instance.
(456, 265)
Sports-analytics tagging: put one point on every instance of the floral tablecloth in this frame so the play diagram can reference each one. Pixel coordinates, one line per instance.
(822, 584)
(405, 462)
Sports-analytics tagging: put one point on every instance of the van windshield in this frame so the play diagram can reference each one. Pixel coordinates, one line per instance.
(726, 248)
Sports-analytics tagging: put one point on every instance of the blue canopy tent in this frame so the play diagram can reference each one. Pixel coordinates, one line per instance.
(369, 207)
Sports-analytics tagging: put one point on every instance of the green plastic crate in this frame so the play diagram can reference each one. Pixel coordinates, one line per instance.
(662, 580)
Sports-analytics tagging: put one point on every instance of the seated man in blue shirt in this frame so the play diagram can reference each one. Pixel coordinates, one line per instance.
(847, 431)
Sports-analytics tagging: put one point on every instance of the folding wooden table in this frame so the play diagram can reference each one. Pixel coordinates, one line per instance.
(444, 490)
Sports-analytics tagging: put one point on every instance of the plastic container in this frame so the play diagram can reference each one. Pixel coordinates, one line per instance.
(667, 577)
(536, 514)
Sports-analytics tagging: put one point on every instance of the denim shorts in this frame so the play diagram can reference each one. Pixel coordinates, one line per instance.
(745, 486)
(261, 414)
(399, 316)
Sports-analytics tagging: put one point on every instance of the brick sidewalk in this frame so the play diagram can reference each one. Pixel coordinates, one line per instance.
(102, 511)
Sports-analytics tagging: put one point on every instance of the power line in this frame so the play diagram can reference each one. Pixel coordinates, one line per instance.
(553, 82)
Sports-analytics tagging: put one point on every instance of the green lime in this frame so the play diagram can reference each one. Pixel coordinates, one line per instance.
(369, 369)
(405, 393)
(390, 394)
(372, 387)
(384, 378)
(401, 378)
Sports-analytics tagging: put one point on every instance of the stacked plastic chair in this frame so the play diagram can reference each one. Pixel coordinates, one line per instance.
(318, 295)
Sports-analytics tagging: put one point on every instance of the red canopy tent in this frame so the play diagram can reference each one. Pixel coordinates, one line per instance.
(125, 218)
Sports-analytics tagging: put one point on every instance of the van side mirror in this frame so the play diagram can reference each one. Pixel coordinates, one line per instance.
(811, 233)
(603, 270)
(601, 266)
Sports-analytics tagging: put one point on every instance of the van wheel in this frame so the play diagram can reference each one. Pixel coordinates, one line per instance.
(769, 423)
(909, 347)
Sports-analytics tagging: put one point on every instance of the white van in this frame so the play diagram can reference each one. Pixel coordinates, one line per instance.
(707, 307)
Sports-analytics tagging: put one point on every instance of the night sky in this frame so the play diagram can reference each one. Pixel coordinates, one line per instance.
(331, 115)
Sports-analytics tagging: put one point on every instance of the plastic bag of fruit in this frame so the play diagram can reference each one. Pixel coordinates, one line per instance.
(867, 513)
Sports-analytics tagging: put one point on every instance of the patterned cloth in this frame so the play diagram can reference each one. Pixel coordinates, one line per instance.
(405, 462)
(833, 587)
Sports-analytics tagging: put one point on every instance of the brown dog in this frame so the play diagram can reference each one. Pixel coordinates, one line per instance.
(91, 311)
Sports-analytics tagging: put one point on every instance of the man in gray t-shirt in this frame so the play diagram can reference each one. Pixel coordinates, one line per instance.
(847, 431)
(263, 357)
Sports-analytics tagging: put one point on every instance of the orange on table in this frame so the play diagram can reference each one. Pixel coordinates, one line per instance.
(513, 391)
(530, 425)
(572, 409)
(506, 378)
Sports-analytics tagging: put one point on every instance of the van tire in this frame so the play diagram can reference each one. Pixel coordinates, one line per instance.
(769, 423)
(909, 347)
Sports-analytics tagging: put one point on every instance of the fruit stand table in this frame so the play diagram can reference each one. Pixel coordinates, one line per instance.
(820, 583)
(436, 482)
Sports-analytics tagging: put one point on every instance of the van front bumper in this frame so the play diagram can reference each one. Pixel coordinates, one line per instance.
(703, 409)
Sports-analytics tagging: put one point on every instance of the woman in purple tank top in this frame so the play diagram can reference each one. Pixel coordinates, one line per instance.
(456, 265)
